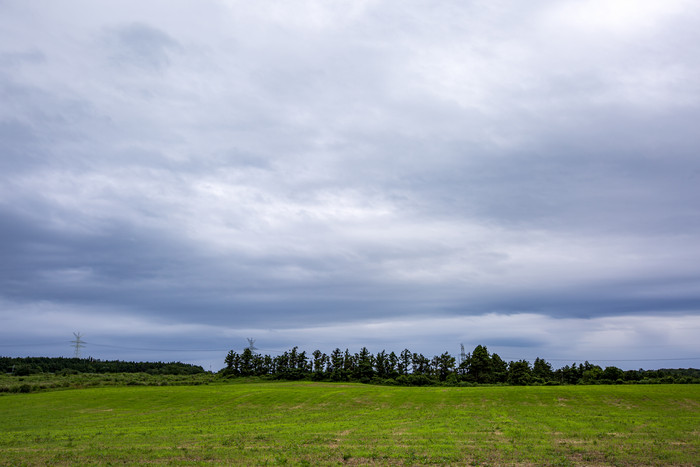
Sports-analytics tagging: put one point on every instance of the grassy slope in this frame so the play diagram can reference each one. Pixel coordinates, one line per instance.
(299, 423)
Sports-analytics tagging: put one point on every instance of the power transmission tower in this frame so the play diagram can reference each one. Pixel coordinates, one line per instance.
(251, 344)
(78, 343)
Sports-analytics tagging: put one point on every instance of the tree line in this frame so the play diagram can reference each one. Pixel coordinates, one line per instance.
(33, 365)
(414, 369)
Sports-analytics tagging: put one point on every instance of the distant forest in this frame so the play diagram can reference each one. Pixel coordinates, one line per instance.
(34, 365)
(414, 369)
(406, 369)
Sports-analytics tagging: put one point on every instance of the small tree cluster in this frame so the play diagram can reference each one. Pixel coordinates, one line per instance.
(408, 368)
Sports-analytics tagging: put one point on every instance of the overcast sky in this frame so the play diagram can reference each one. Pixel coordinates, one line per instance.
(176, 176)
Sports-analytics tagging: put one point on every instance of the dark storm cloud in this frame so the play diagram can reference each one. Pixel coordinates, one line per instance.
(305, 169)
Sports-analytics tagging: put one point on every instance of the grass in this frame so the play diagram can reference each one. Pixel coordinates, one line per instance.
(331, 424)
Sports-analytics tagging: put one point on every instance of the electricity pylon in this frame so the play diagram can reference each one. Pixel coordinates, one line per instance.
(251, 344)
(78, 343)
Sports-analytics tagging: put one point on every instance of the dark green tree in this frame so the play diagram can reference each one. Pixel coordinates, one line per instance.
(480, 369)
(568, 374)
(519, 373)
(232, 362)
(445, 366)
(500, 369)
(364, 365)
(392, 366)
(405, 361)
(420, 364)
(348, 365)
(246, 364)
(380, 364)
(542, 371)
(318, 361)
(612, 374)
(591, 373)
(336, 365)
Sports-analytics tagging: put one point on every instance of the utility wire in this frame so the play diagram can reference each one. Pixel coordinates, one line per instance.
(34, 345)
(156, 350)
(607, 359)
(150, 349)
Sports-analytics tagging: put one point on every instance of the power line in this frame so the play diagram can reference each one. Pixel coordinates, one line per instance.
(176, 350)
(156, 350)
(78, 344)
(608, 359)
(34, 345)
(645, 359)
(152, 349)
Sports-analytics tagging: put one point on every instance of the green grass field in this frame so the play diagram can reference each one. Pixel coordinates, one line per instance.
(325, 423)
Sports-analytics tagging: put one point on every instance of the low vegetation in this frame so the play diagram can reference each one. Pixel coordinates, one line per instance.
(49, 381)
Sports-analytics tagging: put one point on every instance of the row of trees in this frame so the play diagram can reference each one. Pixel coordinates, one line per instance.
(33, 365)
(408, 368)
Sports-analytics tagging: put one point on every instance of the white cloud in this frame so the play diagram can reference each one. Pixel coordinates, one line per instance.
(616, 17)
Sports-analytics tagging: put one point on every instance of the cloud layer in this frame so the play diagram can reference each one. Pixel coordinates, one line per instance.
(307, 169)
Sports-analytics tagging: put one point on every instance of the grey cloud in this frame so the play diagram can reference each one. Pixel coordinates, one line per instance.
(16, 59)
(17, 141)
(283, 168)
(142, 45)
